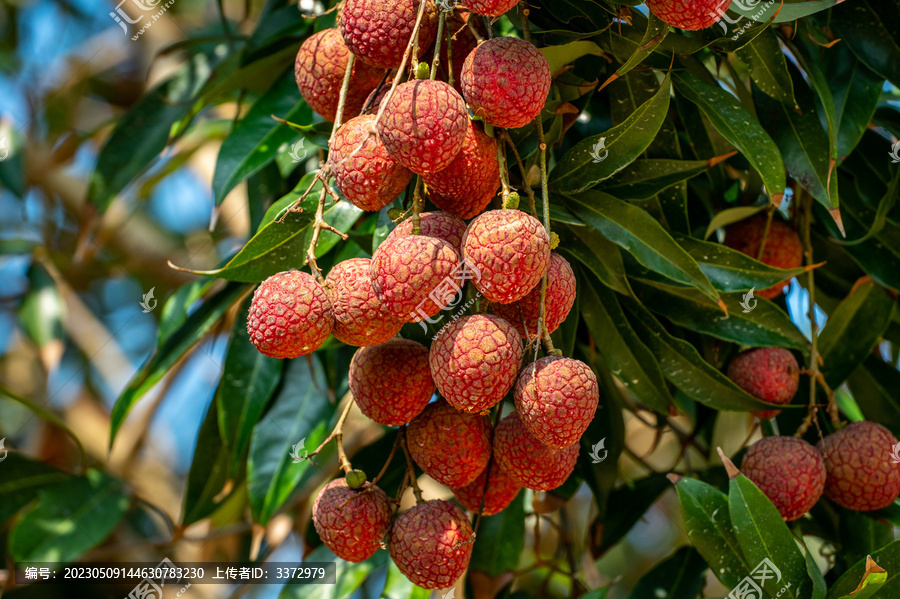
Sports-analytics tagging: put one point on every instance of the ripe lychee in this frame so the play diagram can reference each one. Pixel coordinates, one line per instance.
(474, 361)
(491, 8)
(510, 250)
(442, 225)
(789, 471)
(501, 490)
(506, 80)
(374, 375)
(319, 70)
(690, 15)
(524, 313)
(556, 399)
(368, 177)
(431, 543)
(377, 31)
(423, 125)
(410, 274)
(359, 318)
(468, 184)
(351, 522)
(450, 446)
(861, 474)
(783, 246)
(290, 315)
(768, 373)
(528, 461)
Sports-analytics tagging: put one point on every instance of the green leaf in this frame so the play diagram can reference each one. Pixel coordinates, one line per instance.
(730, 216)
(500, 540)
(69, 519)
(815, 575)
(626, 506)
(871, 28)
(348, 577)
(578, 169)
(44, 414)
(655, 33)
(598, 254)
(874, 385)
(398, 586)
(208, 473)
(22, 480)
(175, 310)
(680, 575)
(790, 10)
(560, 56)
(42, 311)
(643, 179)
(767, 67)
(888, 558)
(855, 90)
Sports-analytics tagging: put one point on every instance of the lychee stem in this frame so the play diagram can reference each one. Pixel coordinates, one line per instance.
(501, 163)
(417, 207)
(437, 44)
(450, 36)
(390, 458)
(410, 468)
(542, 333)
(528, 190)
(526, 34)
(770, 212)
(338, 435)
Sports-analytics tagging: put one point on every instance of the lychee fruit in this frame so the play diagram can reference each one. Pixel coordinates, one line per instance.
(320, 68)
(690, 15)
(475, 360)
(501, 490)
(510, 250)
(528, 461)
(423, 125)
(783, 247)
(861, 474)
(431, 543)
(378, 31)
(410, 275)
(369, 178)
(767, 373)
(468, 184)
(491, 8)
(352, 523)
(290, 315)
(450, 446)
(789, 471)
(556, 399)
(524, 313)
(359, 318)
(506, 80)
(374, 375)
(442, 225)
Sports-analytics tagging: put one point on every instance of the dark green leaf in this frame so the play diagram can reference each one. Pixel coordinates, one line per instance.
(871, 28)
(767, 66)
(22, 480)
(654, 35)
(500, 540)
(627, 505)
(643, 179)
(560, 56)
(790, 10)
(888, 557)
(208, 473)
(599, 255)
(349, 577)
(855, 90)
(680, 576)
(874, 385)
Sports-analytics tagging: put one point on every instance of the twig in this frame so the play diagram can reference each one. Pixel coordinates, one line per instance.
(532, 206)
(338, 435)
(388, 462)
(318, 225)
(545, 196)
(410, 468)
(437, 44)
(770, 212)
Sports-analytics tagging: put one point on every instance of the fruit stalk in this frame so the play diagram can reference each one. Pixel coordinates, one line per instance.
(545, 198)
(525, 184)
(437, 44)
(338, 435)
(410, 468)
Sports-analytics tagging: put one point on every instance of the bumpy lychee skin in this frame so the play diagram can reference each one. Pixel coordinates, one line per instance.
(377, 31)
(450, 446)
(789, 471)
(290, 315)
(491, 8)
(690, 15)
(319, 71)
(424, 125)
(432, 544)
(556, 399)
(474, 361)
(560, 299)
(468, 184)
(359, 319)
(501, 490)
(861, 474)
(528, 461)
(442, 225)
(409, 274)
(510, 250)
(369, 178)
(374, 375)
(506, 80)
(783, 246)
(767, 373)
(351, 522)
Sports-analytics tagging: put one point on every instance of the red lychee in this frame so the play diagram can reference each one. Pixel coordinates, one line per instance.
(377, 31)
(450, 446)
(442, 225)
(468, 184)
(290, 315)
(767, 373)
(560, 299)
(474, 361)
(506, 80)
(319, 70)
(491, 8)
(501, 490)
(359, 318)
(510, 250)
(374, 375)
(410, 274)
(789, 471)
(431, 543)
(528, 461)
(423, 125)
(690, 15)
(783, 246)
(351, 522)
(369, 178)
(556, 399)
(861, 473)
